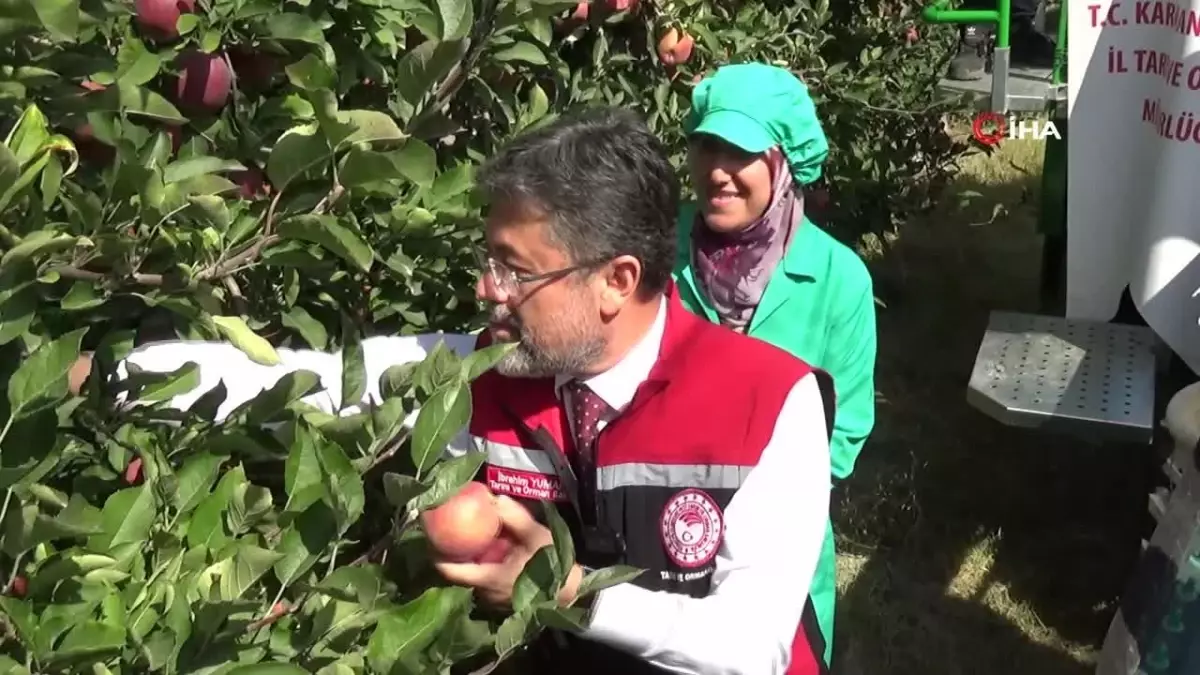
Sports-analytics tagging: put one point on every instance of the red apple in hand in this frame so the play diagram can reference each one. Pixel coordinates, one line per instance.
(158, 18)
(497, 551)
(465, 526)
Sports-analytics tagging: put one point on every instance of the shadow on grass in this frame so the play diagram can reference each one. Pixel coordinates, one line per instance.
(978, 548)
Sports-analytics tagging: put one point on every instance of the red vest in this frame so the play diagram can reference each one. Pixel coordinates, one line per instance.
(666, 468)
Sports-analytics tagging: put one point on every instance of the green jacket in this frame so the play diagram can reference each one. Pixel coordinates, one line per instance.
(820, 306)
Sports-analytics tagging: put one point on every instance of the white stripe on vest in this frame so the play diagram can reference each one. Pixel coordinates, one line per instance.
(522, 472)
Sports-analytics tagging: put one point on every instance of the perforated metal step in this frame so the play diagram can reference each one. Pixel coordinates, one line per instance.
(1085, 378)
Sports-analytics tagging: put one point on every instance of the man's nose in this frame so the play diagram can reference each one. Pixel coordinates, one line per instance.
(488, 292)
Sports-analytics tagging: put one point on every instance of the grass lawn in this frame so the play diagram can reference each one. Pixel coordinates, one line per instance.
(967, 547)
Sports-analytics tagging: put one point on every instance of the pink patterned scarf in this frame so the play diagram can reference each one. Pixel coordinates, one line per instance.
(734, 268)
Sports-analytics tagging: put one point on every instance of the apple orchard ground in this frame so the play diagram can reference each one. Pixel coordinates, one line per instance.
(968, 548)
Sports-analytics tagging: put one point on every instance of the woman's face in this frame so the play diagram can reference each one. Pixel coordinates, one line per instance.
(734, 186)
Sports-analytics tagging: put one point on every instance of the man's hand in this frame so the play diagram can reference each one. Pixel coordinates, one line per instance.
(493, 582)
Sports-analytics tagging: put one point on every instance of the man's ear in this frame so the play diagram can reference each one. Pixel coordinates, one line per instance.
(621, 282)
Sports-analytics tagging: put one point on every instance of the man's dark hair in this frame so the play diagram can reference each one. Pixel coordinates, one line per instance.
(605, 183)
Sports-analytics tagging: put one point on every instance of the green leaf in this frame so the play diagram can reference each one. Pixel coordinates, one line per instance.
(423, 67)
(208, 404)
(400, 489)
(417, 162)
(292, 26)
(140, 101)
(607, 577)
(240, 572)
(184, 169)
(290, 388)
(311, 330)
(127, 518)
(442, 417)
(234, 329)
(10, 167)
(311, 73)
(480, 361)
(455, 18)
(206, 526)
(136, 65)
(451, 184)
(412, 627)
(564, 546)
(267, 669)
(91, 638)
(59, 17)
(354, 369)
(327, 232)
(538, 581)
(571, 619)
(17, 311)
(344, 484)
(210, 209)
(298, 150)
(152, 387)
(539, 104)
(81, 296)
(512, 633)
(41, 380)
(522, 51)
(195, 480)
(360, 167)
(304, 542)
(448, 477)
(36, 244)
(368, 126)
(302, 475)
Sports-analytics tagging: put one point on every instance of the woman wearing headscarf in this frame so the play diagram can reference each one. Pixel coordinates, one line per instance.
(751, 260)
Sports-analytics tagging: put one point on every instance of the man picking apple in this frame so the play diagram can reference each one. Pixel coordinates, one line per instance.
(668, 443)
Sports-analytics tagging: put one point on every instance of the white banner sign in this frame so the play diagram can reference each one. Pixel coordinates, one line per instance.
(1133, 216)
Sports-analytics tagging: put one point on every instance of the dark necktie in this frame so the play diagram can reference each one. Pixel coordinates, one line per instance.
(587, 409)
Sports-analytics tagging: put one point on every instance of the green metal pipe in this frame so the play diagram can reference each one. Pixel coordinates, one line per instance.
(940, 12)
(1059, 74)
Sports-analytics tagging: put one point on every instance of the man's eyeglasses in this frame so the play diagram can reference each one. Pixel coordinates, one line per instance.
(503, 278)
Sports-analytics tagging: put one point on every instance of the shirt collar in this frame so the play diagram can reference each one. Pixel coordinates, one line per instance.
(617, 385)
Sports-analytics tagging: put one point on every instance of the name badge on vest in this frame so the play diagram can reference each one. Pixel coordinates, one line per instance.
(521, 473)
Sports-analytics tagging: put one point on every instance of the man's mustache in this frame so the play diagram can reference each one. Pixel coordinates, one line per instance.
(502, 314)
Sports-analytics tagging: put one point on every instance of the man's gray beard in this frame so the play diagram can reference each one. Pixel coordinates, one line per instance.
(532, 359)
(527, 360)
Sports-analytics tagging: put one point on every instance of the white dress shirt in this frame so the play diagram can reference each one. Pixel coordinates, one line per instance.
(774, 524)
